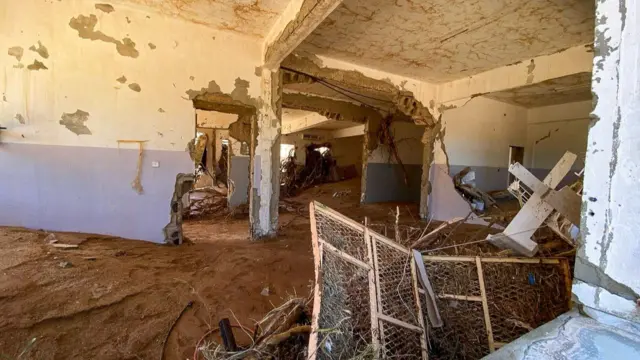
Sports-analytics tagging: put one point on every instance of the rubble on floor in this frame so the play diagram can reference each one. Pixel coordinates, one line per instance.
(465, 184)
(440, 291)
(319, 167)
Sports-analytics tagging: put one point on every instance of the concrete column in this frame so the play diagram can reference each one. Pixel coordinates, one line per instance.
(265, 158)
(607, 266)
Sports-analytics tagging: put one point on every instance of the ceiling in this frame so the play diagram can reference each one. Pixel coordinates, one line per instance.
(443, 40)
(576, 87)
(292, 115)
(250, 17)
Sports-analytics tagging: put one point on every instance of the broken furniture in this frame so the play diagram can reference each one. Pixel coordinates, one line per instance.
(539, 203)
(366, 295)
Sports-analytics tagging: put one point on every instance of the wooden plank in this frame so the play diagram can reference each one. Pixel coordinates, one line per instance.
(526, 177)
(328, 247)
(566, 202)
(317, 291)
(432, 307)
(325, 210)
(389, 242)
(560, 170)
(485, 305)
(427, 237)
(448, 258)
(373, 305)
(376, 266)
(400, 323)
(460, 297)
(423, 337)
(520, 260)
(567, 281)
(64, 246)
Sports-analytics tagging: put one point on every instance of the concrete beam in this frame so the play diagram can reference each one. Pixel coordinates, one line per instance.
(542, 68)
(357, 130)
(298, 20)
(330, 108)
(264, 192)
(607, 259)
(306, 122)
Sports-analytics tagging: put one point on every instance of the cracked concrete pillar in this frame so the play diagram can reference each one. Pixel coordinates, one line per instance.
(607, 267)
(265, 158)
(428, 139)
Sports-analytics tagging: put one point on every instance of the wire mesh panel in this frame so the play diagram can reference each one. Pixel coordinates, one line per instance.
(365, 299)
(519, 294)
(523, 296)
(346, 313)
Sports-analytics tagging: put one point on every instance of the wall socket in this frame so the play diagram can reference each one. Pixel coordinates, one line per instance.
(155, 164)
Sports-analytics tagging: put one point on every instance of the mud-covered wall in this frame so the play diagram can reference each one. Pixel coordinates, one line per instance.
(75, 81)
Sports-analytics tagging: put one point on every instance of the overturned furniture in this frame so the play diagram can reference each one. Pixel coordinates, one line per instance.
(540, 203)
(366, 296)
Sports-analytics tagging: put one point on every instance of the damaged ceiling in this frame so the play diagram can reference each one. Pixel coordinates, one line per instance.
(443, 40)
(566, 89)
(250, 17)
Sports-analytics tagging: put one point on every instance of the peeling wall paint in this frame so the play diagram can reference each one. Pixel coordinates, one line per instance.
(609, 225)
(75, 122)
(88, 75)
(85, 25)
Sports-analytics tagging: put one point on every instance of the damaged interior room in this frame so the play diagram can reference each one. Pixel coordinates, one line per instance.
(319, 179)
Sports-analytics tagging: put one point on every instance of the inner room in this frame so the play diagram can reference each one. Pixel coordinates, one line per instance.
(305, 179)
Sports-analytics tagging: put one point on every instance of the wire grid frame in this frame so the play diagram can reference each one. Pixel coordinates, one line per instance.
(365, 297)
(488, 302)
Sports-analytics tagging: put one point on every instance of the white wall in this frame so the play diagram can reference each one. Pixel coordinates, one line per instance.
(82, 74)
(480, 133)
(553, 130)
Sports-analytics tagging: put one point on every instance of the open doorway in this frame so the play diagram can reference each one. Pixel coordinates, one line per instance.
(516, 155)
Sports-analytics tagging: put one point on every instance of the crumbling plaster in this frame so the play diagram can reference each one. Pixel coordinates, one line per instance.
(82, 75)
(440, 41)
(607, 260)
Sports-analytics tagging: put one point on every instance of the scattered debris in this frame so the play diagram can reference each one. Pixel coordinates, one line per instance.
(342, 193)
(65, 246)
(51, 239)
(465, 184)
(282, 334)
(265, 291)
(65, 264)
(319, 167)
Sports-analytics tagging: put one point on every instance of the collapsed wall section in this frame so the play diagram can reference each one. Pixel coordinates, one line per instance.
(103, 79)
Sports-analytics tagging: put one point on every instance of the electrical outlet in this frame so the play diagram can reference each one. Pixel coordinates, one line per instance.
(155, 164)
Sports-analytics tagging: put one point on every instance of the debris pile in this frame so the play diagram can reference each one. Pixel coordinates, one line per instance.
(377, 298)
(282, 334)
(206, 202)
(464, 182)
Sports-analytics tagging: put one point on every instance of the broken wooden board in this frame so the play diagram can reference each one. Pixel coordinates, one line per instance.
(517, 235)
(566, 202)
(432, 308)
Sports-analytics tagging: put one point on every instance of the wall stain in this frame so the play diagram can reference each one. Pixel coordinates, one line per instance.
(20, 119)
(75, 122)
(41, 50)
(135, 87)
(530, 68)
(192, 78)
(161, 110)
(108, 8)
(16, 51)
(122, 79)
(128, 20)
(160, 134)
(19, 66)
(37, 65)
(152, 46)
(85, 26)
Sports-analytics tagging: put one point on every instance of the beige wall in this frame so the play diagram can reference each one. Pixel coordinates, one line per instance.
(348, 151)
(553, 130)
(82, 74)
(480, 133)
